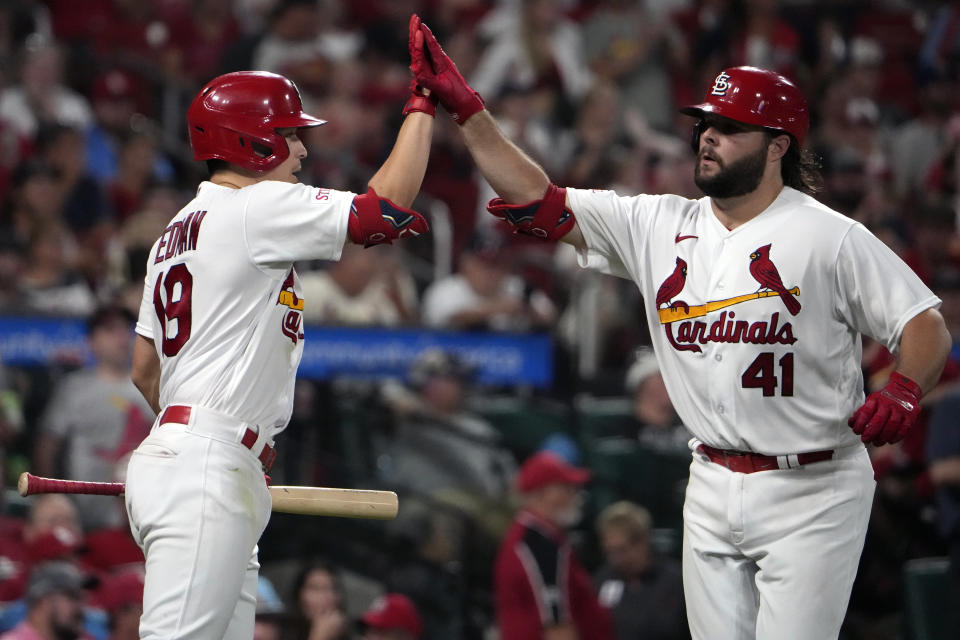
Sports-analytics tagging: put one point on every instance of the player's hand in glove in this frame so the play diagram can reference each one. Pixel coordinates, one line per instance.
(420, 99)
(433, 69)
(888, 414)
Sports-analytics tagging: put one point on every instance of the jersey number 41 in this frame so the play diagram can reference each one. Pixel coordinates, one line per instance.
(762, 374)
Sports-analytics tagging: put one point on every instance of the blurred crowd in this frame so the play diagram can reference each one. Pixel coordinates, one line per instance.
(95, 162)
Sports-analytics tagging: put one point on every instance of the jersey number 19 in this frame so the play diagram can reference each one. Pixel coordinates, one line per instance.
(175, 309)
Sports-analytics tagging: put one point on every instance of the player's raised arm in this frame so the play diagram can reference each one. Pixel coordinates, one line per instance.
(381, 214)
(528, 200)
(400, 176)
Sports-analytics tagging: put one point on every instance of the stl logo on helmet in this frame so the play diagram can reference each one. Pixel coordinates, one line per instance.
(720, 85)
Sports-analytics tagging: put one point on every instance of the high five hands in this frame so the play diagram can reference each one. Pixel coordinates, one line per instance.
(434, 70)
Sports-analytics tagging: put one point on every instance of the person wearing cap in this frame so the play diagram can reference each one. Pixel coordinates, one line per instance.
(99, 412)
(757, 296)
(392, 616)
(541, 589)
(55, 604)
(116, 97)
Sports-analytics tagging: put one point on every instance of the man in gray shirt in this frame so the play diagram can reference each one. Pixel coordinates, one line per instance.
(95, 417)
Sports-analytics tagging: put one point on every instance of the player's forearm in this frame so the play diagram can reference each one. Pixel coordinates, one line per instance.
(513, 174)
(400, 176)
(150, 392)
(924, 346)
(145, 372)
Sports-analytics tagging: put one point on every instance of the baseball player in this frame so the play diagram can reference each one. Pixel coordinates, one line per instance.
(220, 335)
(756, 296)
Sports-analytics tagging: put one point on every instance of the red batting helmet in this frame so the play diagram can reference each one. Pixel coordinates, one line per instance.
(758, 97)
(236, 111)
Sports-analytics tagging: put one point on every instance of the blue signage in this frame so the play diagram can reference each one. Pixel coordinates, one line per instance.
(498, 358)
(37, 341)
(329, 351)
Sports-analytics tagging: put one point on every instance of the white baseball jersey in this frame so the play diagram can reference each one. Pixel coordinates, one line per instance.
(222, 301)
(757, 328)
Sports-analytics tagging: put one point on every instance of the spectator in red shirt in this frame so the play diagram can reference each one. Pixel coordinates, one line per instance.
(541, 590)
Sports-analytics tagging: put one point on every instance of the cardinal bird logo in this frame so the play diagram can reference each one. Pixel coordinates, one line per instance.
(765, 272)
(672, 286)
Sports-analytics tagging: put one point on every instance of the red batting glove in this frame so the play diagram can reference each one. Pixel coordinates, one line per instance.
(419, 100)
(433, 69)
(890, 413)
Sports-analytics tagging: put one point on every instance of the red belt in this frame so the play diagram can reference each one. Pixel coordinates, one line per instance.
(746, 462)
(180, 414)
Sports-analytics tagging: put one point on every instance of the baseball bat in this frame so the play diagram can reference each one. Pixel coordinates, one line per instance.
(312, 501)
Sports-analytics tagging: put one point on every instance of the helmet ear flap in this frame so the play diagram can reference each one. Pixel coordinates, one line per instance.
(698, 130)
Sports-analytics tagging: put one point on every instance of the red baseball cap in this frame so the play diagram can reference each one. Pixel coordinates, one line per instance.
(394, 611)
(545, 468)
(115, 84)
(56, 543)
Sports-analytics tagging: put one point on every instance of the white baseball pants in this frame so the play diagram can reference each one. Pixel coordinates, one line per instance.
(772, 555)
(198, 504)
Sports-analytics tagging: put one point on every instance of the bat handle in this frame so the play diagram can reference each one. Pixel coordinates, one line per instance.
(29, 484)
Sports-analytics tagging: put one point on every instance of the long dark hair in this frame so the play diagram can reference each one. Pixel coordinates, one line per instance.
(301, 623)
(799, 168)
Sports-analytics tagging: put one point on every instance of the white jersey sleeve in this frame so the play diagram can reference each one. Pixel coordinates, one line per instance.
(614, 228)
(865, 266)
(756, 328)
(223, 303)
(284, 223)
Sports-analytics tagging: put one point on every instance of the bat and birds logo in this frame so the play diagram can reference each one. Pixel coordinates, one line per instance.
(672, 309)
